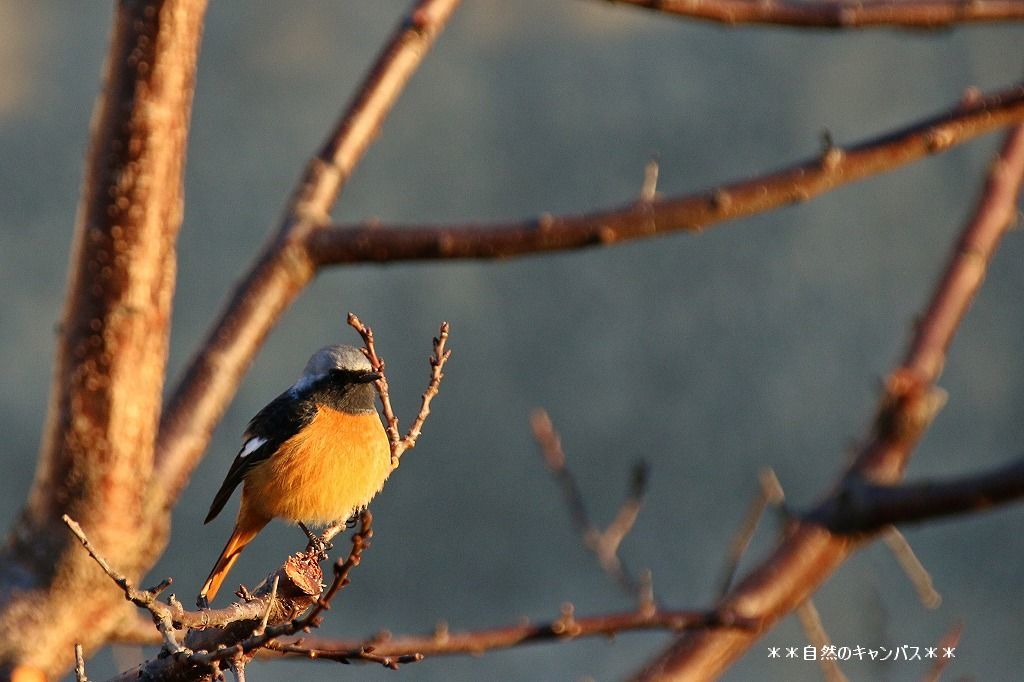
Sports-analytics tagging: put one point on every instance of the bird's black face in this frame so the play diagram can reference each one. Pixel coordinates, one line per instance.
(346, 390)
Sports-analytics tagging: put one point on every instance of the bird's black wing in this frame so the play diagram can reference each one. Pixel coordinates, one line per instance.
(281, 419)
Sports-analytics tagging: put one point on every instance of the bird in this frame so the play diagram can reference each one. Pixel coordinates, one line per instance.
(316, 454)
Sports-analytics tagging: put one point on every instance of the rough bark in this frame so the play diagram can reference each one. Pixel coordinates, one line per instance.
(111, 350)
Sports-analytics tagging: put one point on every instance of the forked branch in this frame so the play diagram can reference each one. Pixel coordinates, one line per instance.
(603, 543)
(440, 355)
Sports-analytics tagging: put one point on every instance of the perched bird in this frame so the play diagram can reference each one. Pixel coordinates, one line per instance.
(316, 454)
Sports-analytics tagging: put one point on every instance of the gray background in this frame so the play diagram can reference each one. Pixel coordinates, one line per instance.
(757, 343)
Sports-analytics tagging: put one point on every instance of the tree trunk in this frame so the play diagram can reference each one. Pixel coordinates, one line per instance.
(98, 440)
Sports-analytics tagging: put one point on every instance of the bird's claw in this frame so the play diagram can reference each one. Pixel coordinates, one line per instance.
(316, 543)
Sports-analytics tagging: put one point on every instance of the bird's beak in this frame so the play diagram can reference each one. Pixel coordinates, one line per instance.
(368, 377)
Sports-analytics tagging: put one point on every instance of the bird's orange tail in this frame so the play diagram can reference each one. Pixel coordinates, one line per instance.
(241, 536)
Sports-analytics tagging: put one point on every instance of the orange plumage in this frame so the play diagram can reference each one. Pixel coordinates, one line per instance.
(326, 472)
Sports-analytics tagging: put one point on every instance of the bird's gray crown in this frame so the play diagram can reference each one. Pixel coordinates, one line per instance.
(335, 357)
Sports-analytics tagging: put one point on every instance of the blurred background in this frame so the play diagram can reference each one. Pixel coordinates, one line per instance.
(758, 343)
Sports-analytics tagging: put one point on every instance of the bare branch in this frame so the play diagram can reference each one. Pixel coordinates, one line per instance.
(566, 627)
(365, 653)
(399, 444)
(237, 665)
(141, 598)
(950, 639)
(840, 14)
(810, 552)
(919, 576)
(604, 544)
(769, 493)
(625, 519)
(266, 614)
(810, 621)
(835, 167)
(865, 507)
(284, 268)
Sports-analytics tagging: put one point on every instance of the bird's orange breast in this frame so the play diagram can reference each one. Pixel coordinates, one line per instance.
(326, 472)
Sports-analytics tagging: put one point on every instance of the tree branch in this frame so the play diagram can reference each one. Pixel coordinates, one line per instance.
(863, 507)
(284, 268)
(810, 553)
(566, 627)
(835, 167)
(146, 599)
(769, 494)
(840, 14)
(604, 544)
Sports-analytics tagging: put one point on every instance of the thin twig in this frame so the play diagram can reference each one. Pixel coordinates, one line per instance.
(603, 544)
(142, 598)
(810, 621)
(270, 603)
(437, 360)
(841, 14)
(835, 167)
(949, 640)
(237, 665)
(769, 493)
(399, 444)
(80, 675)
(649, 189)
(810, 552)
(625, 519)
(919, 576)
(365, 653)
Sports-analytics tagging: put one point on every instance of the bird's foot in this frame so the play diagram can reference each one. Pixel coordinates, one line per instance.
(316, 543)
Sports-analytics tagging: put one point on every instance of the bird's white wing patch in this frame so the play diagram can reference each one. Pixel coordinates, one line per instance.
(251, 446)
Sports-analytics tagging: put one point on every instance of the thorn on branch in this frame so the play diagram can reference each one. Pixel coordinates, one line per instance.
(649, 189)
(645, 599)
(565, 625)
(831, 155)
